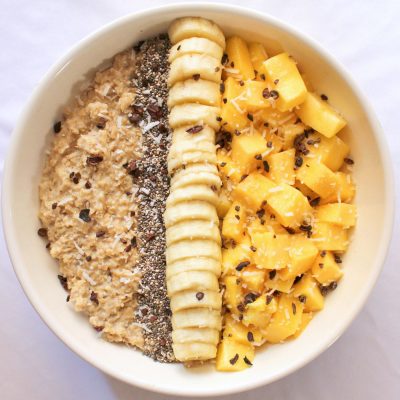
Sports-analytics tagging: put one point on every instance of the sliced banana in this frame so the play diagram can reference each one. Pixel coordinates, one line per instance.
(194, 169)
(182, 160)
(197, 318)
(193, 229)
(195, 45)
(193, 192)
(194, 351)
(195, 91)
(196, 335)
(187, 146)
(200, 178)
(186, 27)
(194, 264)
(190, 211)
(192, 280)
(194, 114)
(191, 299)
(182, 134)
(196, 66)
(193, 248)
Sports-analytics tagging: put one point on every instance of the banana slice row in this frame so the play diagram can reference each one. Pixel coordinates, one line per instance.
(193, 238)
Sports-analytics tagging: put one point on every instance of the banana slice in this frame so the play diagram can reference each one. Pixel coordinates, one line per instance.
(183, 28)
(194, 114)
(192, 280)
(195, 45)
(200, 178)
(179, 148)
(196, 229)
(190, 211)
(194, 351)
(196, 66)
(194, 264)
(195, 335)
(194, 169)
(183, 134)
(192, 91)
(197, 318)
(211, 300)
(193, 248)
(193, 192)
(181, 160)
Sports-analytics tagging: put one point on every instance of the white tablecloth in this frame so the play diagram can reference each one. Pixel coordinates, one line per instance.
(365, 362)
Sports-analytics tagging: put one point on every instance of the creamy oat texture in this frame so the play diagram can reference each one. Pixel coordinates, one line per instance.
(88, 169)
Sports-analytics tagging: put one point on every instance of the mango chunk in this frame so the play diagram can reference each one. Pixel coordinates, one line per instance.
(245, 149)
(310, 294)
(318, 177)
(267, 223)
(290, 131)
(325, 269)
(328, 236)
(318, 114)
(240, 333)
(233, 293)
(345, 190)
(342, 214)
(253, 96)
(282, 73)
(233, 225)
(258, 313)
(238, 54)
(234, 356)
(233, 256)
(252, 279)
(274, 282)
(228, 169)
(275, 118)
(224, 203)
(258, 55)
(305, 320)
(305, 190)
(281, 167)
(285, 321)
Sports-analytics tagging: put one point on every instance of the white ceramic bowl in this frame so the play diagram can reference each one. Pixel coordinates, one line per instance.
(37, 271)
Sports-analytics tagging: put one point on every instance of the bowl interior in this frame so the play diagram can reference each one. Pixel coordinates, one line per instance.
(37, 271)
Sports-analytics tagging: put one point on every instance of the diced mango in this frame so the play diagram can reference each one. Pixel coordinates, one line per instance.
(288, 204)
(245, 149)
(253, 190)
(318, 114)
(233, 256)
(329, 151)
(240, 333)
(258, 313)
(231, 355)
(318, 177)
(344, 192)
(253, 96)
(285, 321)
(233, 293)
(305, 190)
(228, 169)
(282, 73)
(325, 269)
(252, 279)
(274, 282)
(239, 57)
(233, 225)
(258, 55)
(224, 203)
(290, 131)
(267, 223)
(305, 320)
(281, 167)
(328, 236)
(311, 295)
(342, 214)
(275, 118)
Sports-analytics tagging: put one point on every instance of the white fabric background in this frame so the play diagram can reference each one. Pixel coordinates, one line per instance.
(365, 362)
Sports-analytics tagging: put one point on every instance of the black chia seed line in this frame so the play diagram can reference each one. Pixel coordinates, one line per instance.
(151, 107)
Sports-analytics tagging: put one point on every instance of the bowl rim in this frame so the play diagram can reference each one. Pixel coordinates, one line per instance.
(11, 235)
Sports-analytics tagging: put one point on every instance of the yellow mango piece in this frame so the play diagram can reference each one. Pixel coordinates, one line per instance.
(258, 55)
(325, 269)
(233, 115)
(281, 167)
(233, 293)
(252, 279)
(318, 114)
(238, 54)
(274, 282)
(231, 355)
(342, 214)
(285, 321)
(259, 312)
(328, 236)
(240, 333)
(302, 255)
(233, 225)
(253, 190)
(318, 177)
(276, 118)
(267, 223)
(253, 96)
(272, 250)
(228, 169)
(311, 295)
(245, 148)
(233, 256)
(345, 190)
(224, 203)
(305, 190)
(329, 151)
(305, 320)
(288, 204)
(282, 73)
(289, 132)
